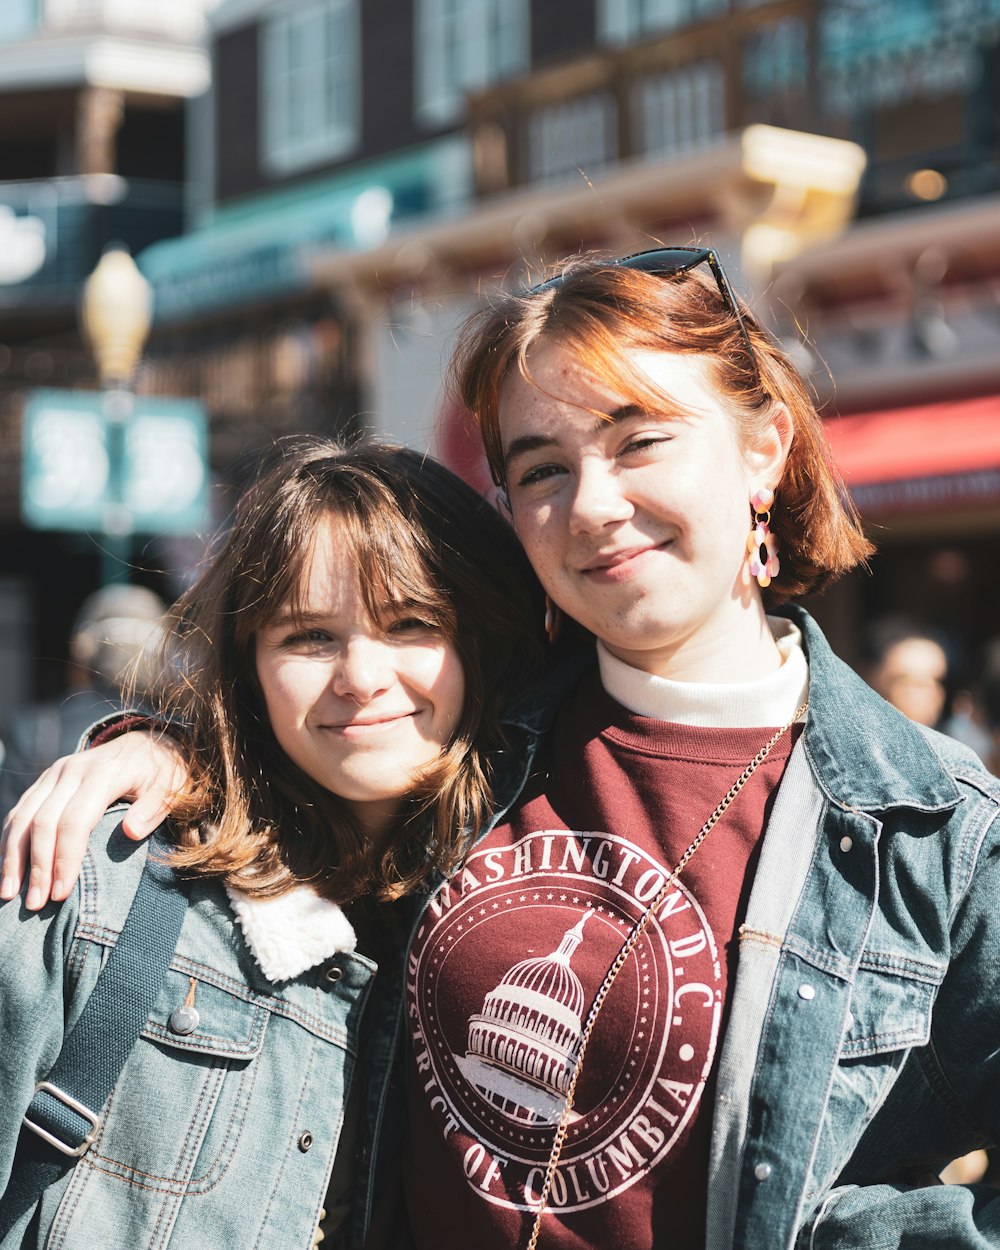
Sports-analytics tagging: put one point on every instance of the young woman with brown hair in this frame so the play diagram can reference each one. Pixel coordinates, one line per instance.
(723, 975)
(345, 663)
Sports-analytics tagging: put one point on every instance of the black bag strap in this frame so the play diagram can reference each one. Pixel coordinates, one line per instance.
(63, 1118)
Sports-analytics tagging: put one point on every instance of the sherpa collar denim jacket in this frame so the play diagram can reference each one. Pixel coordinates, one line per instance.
(863, 1045)
(222, 1135)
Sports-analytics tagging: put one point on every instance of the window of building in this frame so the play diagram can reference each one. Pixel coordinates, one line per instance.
(619, 21)
(464, 45)
(310, 83)
(681, 109)
(885, 53)
(776, 60)
(572, 137)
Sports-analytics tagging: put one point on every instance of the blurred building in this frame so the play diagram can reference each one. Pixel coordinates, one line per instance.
(362, 170)
(92, 149)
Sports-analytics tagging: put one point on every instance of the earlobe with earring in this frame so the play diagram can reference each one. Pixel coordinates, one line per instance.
(553, 619)
(762, 546)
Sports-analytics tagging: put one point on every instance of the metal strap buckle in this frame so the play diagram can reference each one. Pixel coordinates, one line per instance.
(68, 1100)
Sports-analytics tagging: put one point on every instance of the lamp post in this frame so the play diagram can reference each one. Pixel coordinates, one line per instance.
(116, 313)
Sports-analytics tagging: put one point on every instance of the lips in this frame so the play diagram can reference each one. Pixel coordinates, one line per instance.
(371, 724)
(615, 564)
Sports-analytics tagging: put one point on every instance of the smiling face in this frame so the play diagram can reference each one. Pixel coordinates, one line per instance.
(362, 707)
(636, 522)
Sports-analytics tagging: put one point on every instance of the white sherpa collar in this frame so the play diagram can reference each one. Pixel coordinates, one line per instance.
(289, 934)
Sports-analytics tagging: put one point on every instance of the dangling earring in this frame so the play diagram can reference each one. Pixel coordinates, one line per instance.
(553, 620)
(762, 546)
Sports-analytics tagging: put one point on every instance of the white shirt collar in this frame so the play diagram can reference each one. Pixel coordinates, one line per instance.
(292, 933)
(769, 700)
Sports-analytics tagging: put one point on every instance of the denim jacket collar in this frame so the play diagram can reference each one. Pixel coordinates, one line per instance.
(846, 718)
(865, 755)
(293, 932)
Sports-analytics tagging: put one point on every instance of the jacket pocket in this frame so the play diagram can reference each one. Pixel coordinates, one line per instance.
(891, 1006)
(176, 1115)
(892, 1003)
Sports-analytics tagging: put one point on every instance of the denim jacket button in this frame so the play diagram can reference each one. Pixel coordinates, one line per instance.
(762, 1171)
(183, 1019)
(333, 974)
(305, 1141)
(846, 843)
(808, 992)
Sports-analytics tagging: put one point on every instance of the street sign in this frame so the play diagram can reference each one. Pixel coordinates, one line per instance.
(114, 463)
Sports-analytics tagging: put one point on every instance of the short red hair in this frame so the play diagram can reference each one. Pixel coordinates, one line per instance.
(601, 312)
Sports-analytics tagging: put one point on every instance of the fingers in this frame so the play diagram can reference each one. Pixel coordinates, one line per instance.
(14, 845)
(145, 815)
(32, 831)
(48, 830)
(159, 772)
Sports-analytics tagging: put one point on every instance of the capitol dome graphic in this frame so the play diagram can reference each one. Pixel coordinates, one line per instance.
(523, 1044)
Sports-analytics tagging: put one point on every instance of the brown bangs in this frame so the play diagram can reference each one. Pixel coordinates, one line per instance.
(424, 544)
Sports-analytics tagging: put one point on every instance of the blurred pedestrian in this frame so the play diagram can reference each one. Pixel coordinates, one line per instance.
(908, 666)
(114, 629)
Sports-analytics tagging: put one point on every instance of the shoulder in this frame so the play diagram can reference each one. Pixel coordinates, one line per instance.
(112, 869)
(961, 761)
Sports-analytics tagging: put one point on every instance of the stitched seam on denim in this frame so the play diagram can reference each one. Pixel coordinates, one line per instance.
(274, 1005)
(99, 933)
(968, 856)
(63, 1218)
(759, 937)
(903, 967)
(814, 1145)
(195, 1184)
(201, 1041)
(124, 1171)
(329, 1032)
(303, 1084)
(823, 961)
(896, 1039)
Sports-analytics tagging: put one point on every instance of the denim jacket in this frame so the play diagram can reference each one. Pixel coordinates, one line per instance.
(863, 1044)
(220, 1136)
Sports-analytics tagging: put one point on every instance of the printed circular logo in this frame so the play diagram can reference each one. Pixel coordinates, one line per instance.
(503, 975)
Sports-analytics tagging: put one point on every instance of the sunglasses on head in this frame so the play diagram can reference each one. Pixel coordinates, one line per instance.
(666, 262)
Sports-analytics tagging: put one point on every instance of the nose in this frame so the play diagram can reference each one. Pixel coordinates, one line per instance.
(598, 500)
(363, 669)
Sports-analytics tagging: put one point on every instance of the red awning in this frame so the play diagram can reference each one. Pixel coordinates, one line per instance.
(944, 454)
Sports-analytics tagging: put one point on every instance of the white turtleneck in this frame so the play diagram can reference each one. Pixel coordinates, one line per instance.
(770, 700)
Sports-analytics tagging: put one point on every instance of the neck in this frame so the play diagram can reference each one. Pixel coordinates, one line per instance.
(738, 649)
(376, 818)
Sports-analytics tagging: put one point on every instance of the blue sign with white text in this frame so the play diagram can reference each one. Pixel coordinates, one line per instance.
(114, 463)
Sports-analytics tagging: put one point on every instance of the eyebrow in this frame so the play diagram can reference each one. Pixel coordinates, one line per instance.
(285, 616)
(536, 442)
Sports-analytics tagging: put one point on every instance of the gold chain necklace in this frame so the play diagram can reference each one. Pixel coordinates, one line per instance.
(562, 1129)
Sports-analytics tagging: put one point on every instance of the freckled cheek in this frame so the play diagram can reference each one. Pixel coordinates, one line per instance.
(447, 691)
(290, 693)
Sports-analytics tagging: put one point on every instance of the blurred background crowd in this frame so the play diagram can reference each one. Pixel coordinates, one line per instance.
(224, 220)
